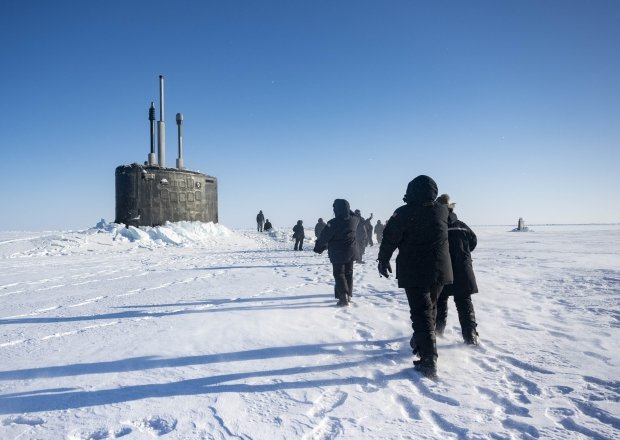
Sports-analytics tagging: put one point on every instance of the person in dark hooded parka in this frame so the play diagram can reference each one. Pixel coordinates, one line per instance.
(419, 230)
(379, 231)
(319, 228)
(339, 238)
(299, 235)
(462, 242)
(260, 221)
(361, 235)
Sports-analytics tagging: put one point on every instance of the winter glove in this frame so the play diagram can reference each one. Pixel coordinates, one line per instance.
(319, 249)
(384, 267)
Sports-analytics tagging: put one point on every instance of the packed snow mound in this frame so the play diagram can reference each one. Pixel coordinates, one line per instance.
(183, 233)
(105, 235)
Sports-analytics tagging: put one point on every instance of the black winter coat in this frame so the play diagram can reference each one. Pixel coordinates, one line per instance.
(338, 236)
(362, 233)
(379, 229)
(462, 241)
(319, 228)
(298, 231)
(419, 230)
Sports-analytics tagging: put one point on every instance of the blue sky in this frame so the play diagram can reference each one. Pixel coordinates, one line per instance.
(512, 107)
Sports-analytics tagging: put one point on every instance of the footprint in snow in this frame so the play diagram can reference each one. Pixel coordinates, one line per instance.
(156, 425)
(23, 420)
(99, 434)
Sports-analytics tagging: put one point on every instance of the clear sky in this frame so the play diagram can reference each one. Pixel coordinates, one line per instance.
(513, 107)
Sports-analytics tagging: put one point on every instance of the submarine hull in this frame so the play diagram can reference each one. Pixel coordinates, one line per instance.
(151, 195)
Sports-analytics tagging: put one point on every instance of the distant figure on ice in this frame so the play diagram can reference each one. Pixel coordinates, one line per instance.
(369, 229)
(339, 238)
(419, 230)
(462, 242)
(319, 228)
(379, 227)
(267, 225)
(361, 237)
(298, 235)
(260, 220)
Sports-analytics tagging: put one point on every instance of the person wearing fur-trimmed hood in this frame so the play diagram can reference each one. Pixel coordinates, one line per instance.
(462, 241)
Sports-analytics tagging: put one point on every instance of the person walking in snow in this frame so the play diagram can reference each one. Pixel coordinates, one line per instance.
(268, 225)
(369, 229)
(260, 220)
(361, 236)
(462, 241)
(319, 228)
(419, 230)
(379, 231)
(299, 235)
(339, 238)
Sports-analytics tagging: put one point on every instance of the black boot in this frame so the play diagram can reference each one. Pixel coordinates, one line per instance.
(467, 318)
(427, 366)
(471, 337)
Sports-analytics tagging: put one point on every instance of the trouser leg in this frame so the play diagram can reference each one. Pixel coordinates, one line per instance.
(442, 313)
(297, 243)
(467, 318)
(361, 249)
(423, 310)
(301, 244)
(341, 287)
(348, 274)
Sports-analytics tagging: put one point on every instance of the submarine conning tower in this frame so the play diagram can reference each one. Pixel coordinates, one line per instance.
(151, 194)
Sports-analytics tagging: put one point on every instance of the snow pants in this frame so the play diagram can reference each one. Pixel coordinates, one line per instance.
(343, 275)
(423, 310)
(299, 244)
(465, 309)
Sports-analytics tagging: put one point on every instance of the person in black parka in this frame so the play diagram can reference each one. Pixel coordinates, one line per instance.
(260, 221)
(462, 242)
(379, 231)
(361, 235)
(268, 225)
(319, 228)
(299, 235)
(419, 230)
(369, 229)
(339, 238)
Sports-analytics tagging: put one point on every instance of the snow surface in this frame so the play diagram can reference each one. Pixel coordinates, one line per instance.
(195, 331)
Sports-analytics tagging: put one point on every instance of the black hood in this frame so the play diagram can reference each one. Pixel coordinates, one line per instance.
(421, 190)
(342, 208)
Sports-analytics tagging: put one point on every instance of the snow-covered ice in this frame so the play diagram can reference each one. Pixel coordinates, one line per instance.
(196, 331)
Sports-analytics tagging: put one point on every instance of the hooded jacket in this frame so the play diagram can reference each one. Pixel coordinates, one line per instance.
(419, 230)
(338, 236)
(298, 230)
(319, 228)
(462, 242)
